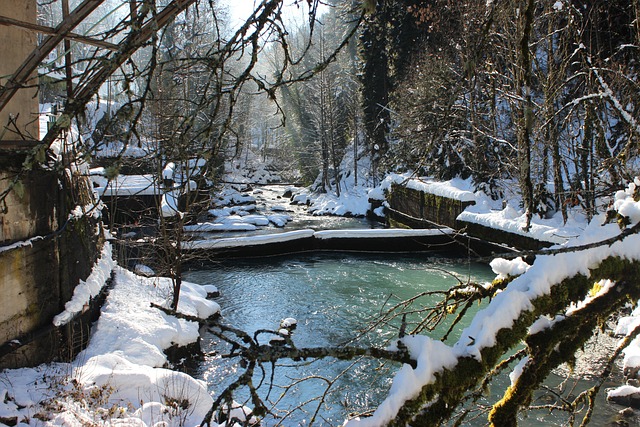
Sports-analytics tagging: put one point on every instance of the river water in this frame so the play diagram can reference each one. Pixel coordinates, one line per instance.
(335, 296)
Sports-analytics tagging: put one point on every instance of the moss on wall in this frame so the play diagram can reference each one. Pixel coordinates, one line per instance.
(417, 209)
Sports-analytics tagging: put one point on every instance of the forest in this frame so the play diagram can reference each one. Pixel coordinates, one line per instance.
(528, 99)
(537, 93)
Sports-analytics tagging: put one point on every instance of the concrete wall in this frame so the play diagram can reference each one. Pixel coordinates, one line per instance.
(43, 256)
(416, 209)
(15, 46)
(43, 253)
(39, 271)
(30, 208)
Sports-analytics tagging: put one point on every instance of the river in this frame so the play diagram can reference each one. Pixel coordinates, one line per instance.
(334, 296)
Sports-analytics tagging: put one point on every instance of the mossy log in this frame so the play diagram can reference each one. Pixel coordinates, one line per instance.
(437, 401)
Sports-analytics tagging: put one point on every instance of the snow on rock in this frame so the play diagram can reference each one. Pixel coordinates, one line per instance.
(625, 326)
(624, 390)
(169, 171)
(147, 387)
(240, 210)
(88, 288)
(143, 270)
(302, 198)
(279, 220)
(625, 205)
(231, 196)
(169, 205)
(257, 220)
(354, 202)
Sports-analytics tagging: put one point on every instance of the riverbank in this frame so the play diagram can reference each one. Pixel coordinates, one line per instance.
(124, 376)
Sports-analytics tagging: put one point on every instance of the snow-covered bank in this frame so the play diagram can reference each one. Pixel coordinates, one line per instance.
(503, 214)
(121, 377)
(88, 289)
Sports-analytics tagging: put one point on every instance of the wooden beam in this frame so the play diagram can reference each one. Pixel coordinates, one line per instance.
(25, 71)
(128, 47)
(18, 145)
(68, 72)
(52, 31)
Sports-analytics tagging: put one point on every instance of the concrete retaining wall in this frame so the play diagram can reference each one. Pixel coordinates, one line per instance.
(416, 209)
(43, 256)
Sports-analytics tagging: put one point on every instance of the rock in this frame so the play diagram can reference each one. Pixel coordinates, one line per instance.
(627, 412)
(630, 400)
(10, 421)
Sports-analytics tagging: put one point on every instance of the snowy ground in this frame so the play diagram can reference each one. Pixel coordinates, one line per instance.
(121, 378)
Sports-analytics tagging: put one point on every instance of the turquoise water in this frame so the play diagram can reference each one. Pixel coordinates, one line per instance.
(337, 299)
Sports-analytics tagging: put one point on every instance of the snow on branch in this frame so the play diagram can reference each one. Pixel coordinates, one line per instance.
(428, 394)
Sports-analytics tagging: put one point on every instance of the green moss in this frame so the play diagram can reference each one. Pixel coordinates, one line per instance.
(451, 385)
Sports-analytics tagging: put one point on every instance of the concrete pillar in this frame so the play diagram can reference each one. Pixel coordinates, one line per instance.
(15, 45)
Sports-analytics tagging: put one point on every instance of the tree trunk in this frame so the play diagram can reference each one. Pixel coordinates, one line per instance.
(525, 114)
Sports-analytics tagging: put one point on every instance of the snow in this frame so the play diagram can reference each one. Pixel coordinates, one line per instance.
(505, 268)
(456, 189)
(513, 221)
(207, 227)
(169, 205)
(625, 326)
(126, 185)
(21, 244)
(353, 202)
(431, 355)
(622, 391)
(168, 171)
(123, 366)
(505, 308)
(143, 270)
(517, 370)
(489, 213)
(289, 236)
(126, 353)
(89, 288)
(232, 242)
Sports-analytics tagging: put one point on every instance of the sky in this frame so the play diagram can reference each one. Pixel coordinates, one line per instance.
(241, 9)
